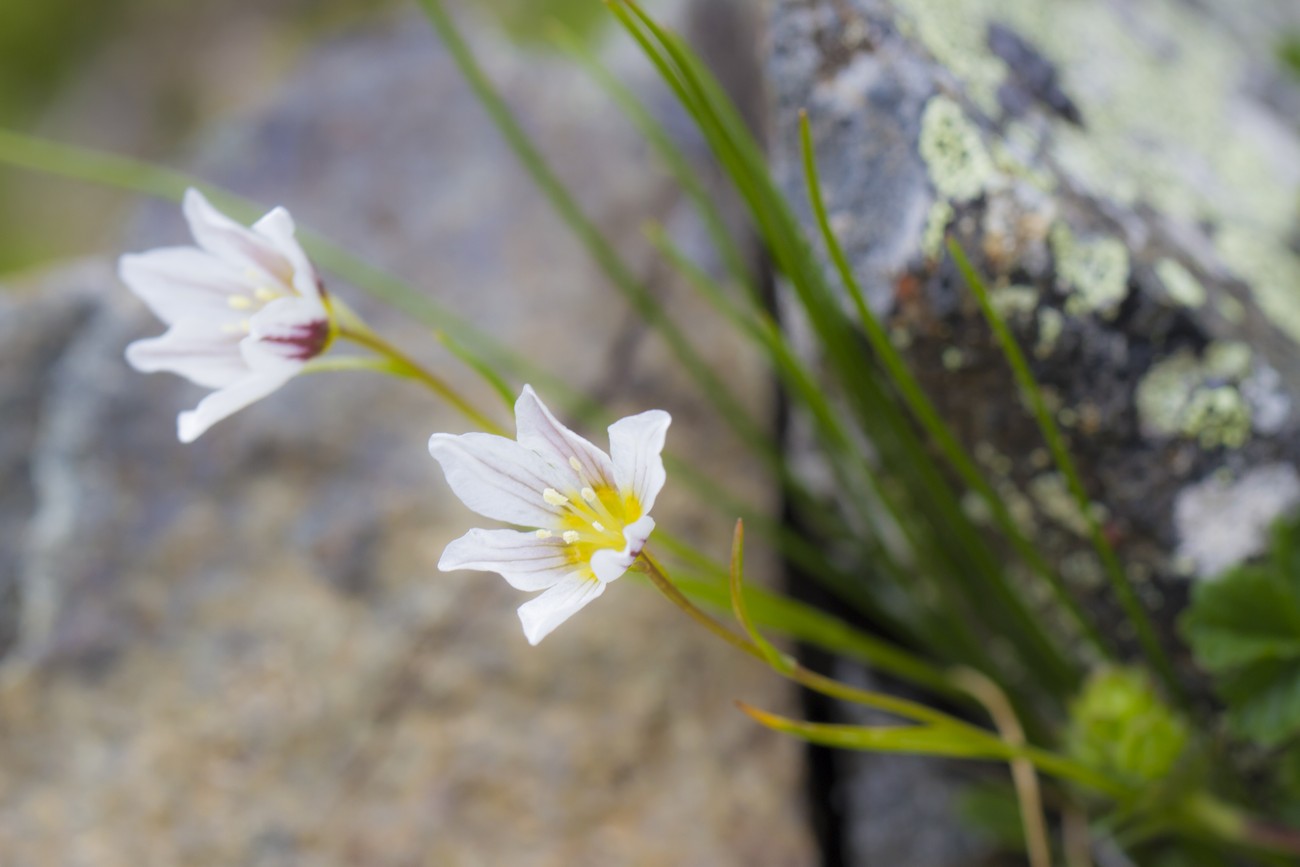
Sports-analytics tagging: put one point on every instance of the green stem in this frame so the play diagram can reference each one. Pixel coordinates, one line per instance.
(403, 365)
(798, 673)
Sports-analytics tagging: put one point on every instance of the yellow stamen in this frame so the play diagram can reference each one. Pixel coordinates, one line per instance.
(598, 526)
(240, 302)
(262, 293)
(589, 495)
(544, 534)
(570, 536)
(577, 466)
(554, 497)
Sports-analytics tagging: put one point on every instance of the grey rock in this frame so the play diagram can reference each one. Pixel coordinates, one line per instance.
(1126, 176)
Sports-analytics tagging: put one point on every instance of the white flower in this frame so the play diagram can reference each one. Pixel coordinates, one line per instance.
(590, 510)
(245, 308)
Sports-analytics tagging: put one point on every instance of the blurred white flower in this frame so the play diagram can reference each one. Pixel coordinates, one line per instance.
(590, 510)
(245, 310)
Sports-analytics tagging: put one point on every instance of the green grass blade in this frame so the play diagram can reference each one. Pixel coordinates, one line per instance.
(925, 740)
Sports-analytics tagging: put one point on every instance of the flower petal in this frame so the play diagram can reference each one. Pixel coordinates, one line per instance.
(278, 228)
(540, 431)
(540, 616)
(636, 445)
(288, 329)
(226, 402)
(211, 360)
(525, 561)
(182, 283)
(609, 564)
(497, 477)
(239, 245)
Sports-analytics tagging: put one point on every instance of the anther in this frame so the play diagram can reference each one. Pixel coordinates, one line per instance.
(598, 526)
(576, 464)
(570, 536)
(544, 534)
(240, 302)
(264, 294)
(554, 497)
(589, 495)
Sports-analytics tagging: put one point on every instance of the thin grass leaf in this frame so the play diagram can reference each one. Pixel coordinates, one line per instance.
(801, 622)
(774, 657)
(937, 740)
(926, 740)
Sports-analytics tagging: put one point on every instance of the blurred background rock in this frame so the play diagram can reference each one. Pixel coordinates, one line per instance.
(241, 651)
(145, 77)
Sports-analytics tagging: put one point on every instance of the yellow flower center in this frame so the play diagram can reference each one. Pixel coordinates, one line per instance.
(591, 518)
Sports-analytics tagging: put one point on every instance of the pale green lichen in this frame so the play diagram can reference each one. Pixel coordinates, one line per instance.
(953, 149)
(1198, 398)
(1157, 84)
(1230, 359)
(1053, 496)
(936, 225)
(1219, 417)
(1183, 288)
(1229, 308)
(1020, 507)
(1095, 271)
(1080, 569)
(1014, 154)
(1050, 325)
(1272, 271)
(1014, 301)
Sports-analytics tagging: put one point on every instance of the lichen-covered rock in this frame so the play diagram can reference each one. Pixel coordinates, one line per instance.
(241, 651)
(1127, 177)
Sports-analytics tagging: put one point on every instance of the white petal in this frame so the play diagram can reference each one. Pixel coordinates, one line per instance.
(497, 477)
(211, 360)
(180, 283)
(609, 564)
(540, 431)
(287, 330)
(277, 227)
(226, 239)
(527, 562)
(541, 615)
(226, 402)
(636, 445)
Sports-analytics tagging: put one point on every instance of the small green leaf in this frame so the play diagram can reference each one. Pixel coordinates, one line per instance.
(1119, 725)
(1244, 628)
(775, 658)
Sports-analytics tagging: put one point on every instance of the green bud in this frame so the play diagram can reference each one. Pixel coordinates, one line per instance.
(1119, 725)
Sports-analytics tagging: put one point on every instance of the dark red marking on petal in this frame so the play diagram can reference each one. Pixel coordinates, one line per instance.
(301, 342)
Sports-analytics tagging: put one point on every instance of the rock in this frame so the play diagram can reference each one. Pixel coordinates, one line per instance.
(1125, 176)
(241, 651)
